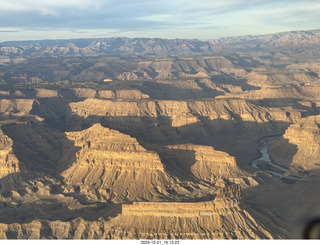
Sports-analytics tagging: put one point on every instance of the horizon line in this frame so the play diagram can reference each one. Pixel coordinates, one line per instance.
(177, 38)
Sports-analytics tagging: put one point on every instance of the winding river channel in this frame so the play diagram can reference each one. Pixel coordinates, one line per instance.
(265, 163)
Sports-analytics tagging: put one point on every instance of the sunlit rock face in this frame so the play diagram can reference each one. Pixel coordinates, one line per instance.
(205, 162)
(225, 217)
(161, 142)
(115, 163)
(299, 147)
(9, 164)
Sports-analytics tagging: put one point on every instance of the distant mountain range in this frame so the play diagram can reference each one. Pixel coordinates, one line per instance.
(293, 40)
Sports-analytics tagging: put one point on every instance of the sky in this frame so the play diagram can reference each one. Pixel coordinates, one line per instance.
(187, 19)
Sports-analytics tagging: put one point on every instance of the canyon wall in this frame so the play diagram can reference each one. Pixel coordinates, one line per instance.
(204, 162)
(226, 217)
(9, 164)
(177, 220)
(115, 165)
(299, 147)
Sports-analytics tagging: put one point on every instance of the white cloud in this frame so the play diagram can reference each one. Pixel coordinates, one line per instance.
(161, 18)
(203, 19)
(46, 6)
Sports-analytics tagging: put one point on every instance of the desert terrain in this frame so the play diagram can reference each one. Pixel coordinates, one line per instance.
(160, 139)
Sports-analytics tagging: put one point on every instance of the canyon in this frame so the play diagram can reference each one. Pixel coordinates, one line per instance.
(122, 139)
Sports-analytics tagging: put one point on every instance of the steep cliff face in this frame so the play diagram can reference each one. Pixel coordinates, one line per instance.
(181, 112)
(267, 78)
(46, 93)
(115, 165)
(276, 92)
(139, 147)
(84, 92)
(299, 147)
(15, 107)
(204, 162)
(241, 110)
(122, 94)
(177, 111)
(9, 164)
(221, 123)
(226, 217)
(38, 148)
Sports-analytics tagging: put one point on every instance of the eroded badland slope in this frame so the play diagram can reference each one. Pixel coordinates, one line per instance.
(160, 147)
(299, 145)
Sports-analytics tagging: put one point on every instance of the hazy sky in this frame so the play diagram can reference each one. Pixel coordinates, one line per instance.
(200, 19)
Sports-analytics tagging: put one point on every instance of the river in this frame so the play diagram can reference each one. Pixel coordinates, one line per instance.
(265, 163)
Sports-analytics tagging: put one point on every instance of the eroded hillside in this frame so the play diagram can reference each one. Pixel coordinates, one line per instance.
(160, 147)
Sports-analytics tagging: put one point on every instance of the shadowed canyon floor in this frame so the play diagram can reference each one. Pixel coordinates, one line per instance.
(159, 147)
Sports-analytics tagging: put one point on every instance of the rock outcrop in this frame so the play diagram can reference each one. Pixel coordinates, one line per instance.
(226, 217)
(46, 93)
(181, 113)
(177, 111)
(221, 123)
(280, 92)
(39, 148)
(115, 165)
(299, 147)
(15, 107)
(204, 162)
(122, 94)
(94, 146)
(9, 164)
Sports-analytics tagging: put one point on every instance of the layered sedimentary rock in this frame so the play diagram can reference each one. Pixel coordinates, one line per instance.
(9, 164)
(226, 217)
(223, 218)
(230, 195)
(19, 107)
(267, 78)
(138, 147)
(39, 148)
(302, 92)
(181, 112)
(204, 162)
(177, 111)
(46, 93)
(115, 164)
(221, 123)
(122, 94)
(85, 92)
(299, 147)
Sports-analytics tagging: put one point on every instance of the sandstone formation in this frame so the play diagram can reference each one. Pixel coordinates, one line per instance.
(46, 93)
(181, 113)
(116, 165)
(267, 78)
(226, 217)
(177, 220)
(16, 107)
(122, 94)
(172, 139)
(38, 148)
(202, 122)
(304, 92)
(177, 111)
(299, 147)
(9, 164)
(204, 162)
